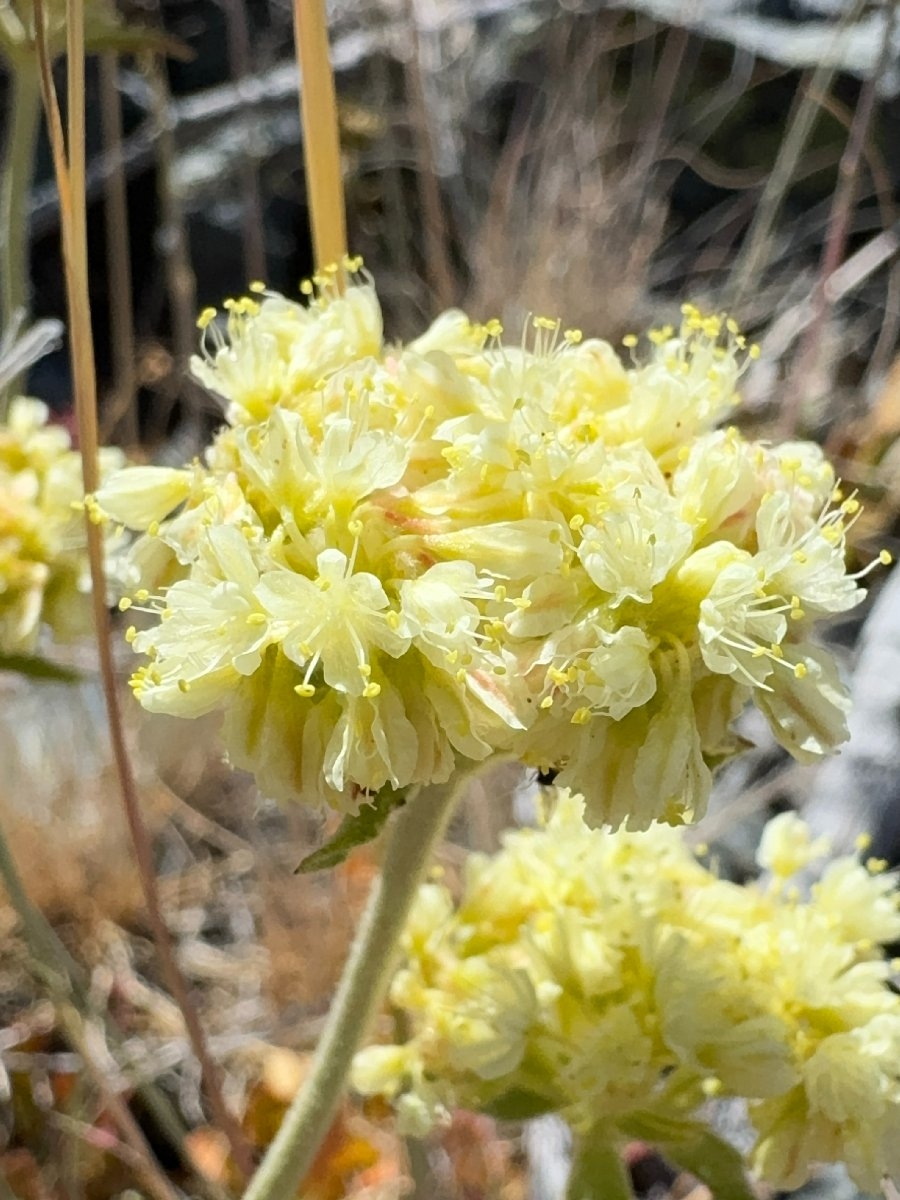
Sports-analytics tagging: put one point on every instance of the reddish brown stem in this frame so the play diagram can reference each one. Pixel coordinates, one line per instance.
(70, 176)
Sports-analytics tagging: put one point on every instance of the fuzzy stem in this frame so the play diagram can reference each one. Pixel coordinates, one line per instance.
(321, 135)
(16, 174)
(416, 829)
(598, 1172)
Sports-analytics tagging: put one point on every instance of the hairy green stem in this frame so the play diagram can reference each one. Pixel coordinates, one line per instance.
(16, 174)
(598, 1172)
(413, 834)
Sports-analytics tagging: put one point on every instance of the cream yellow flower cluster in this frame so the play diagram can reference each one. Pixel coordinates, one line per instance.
(43, 562)
(395, 557)
(610, 977)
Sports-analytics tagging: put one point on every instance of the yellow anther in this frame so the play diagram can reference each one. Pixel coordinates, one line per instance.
(257, 286)
(371, 690)
(630, 340)
(305, 690)
(544, 323)
(581, 716)
(130, 634)
(850, 506)
(207, 316)
(125, 603)
(885, 557)
(306, 287)
(547, 702)
(573, 336)
(800, 670)
(153, 529)
(256, 618)
(393, 619)
(183, 686)
(754, 352)
(877, 865)
(862, 842)
(365, 669)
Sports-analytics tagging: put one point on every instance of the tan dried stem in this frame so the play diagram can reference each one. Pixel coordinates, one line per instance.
(70, 177)
(321, 134)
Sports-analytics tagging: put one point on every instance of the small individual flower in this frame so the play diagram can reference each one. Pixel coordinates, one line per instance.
(611, 978)
(787, 847)
(533, 549)
(44, 576)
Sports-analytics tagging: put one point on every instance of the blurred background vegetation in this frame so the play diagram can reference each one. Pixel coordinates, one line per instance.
(604, 163)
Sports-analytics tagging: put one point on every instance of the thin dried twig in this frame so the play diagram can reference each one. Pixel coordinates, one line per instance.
(755, 252)
(70, 174)
(118, 260)
(805, 366)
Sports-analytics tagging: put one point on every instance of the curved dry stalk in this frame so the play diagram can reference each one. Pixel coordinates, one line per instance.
(70, 175)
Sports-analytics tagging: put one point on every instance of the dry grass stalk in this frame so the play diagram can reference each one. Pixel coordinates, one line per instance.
(70, 174)
(321, 139)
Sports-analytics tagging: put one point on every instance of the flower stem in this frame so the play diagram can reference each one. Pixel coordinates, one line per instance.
(415, 830)
(598, 1172)
(321, 134)
(16, 174)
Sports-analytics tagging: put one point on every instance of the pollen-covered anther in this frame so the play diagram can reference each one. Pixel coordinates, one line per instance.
(306, 690)
(371, 690)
